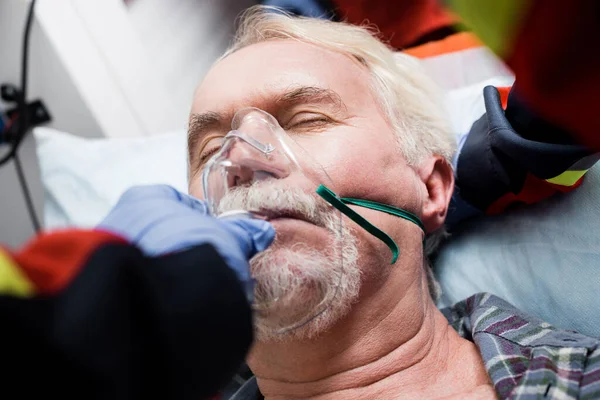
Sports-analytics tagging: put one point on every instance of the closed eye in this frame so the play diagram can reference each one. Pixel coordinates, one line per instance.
(207, 154)
(307, 121)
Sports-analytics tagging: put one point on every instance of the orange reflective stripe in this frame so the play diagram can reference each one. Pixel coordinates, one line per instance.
(504, 92)
(451, 44)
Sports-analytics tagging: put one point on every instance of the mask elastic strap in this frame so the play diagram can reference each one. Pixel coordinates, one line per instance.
(340, 204)
(398, 212)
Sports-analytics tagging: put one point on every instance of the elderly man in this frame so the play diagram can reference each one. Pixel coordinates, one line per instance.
(371, 120)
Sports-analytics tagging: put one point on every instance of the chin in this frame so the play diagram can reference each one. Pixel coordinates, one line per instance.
(302, 292)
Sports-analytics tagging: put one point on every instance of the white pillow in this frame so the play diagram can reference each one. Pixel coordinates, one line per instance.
(84, 178)
(543, 258)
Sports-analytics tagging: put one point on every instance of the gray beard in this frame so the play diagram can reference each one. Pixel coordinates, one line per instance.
(300, 291)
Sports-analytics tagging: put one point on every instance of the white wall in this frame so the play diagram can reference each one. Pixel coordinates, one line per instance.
(183, 38)
(106, 69)
(50, 81)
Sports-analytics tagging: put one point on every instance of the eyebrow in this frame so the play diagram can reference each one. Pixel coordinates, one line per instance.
(200, 124)
(312, 95)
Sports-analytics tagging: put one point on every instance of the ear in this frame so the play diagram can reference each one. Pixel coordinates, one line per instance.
(438, 179)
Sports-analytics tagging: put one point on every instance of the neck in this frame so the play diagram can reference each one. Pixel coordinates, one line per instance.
(389, 343)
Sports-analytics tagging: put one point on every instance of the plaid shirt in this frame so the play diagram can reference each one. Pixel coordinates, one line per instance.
(524, 357)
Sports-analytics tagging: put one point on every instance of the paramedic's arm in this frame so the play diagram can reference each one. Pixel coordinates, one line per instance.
(514, 157)
(85, 314)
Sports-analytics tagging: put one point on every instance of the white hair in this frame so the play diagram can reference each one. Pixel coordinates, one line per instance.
(410, 100)
(408, 97)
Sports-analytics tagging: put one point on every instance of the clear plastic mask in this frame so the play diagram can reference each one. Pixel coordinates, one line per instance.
(257, 149)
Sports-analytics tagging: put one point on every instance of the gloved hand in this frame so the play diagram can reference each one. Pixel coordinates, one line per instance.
(159, 220)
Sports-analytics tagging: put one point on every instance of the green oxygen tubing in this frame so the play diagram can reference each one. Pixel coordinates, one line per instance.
(341, 203)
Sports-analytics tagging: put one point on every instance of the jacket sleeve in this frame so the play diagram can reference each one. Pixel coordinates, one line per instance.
(551, 46)
(86, 315)
(513, 157)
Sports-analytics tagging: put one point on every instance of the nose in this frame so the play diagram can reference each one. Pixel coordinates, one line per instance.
(247, 164)
(256, 149)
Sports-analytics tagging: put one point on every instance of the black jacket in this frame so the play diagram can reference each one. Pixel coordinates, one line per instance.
(100, 320)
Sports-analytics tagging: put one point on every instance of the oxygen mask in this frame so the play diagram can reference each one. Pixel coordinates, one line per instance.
(262, 172)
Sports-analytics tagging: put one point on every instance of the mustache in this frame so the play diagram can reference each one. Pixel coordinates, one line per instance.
(275, 201)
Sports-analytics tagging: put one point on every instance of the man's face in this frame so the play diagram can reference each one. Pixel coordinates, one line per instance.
(325, 100)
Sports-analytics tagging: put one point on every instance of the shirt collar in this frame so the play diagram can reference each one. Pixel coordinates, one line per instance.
(510, 342)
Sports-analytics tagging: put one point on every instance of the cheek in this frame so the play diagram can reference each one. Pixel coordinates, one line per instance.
(367, 165)
(372, 252)
(374, 169)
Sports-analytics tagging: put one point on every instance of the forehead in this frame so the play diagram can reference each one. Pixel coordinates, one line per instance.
(256, 74)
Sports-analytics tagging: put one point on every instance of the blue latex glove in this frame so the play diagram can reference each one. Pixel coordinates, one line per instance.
(159, 220)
